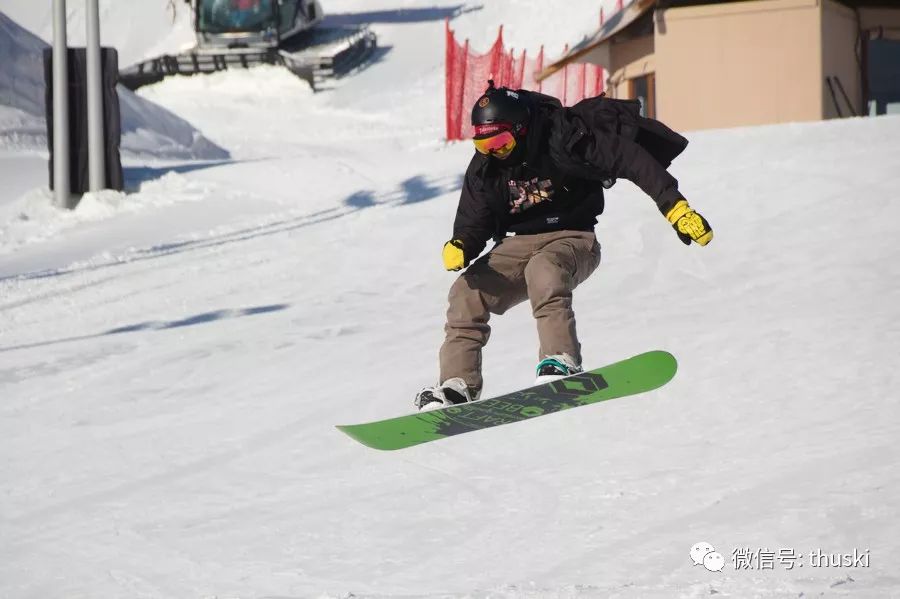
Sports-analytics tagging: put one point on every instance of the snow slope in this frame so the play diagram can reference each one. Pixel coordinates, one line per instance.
(527, 25)
(172, 363)
(139, 29)
(147, 130)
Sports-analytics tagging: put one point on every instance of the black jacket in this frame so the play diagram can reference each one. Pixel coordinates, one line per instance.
(555, 180)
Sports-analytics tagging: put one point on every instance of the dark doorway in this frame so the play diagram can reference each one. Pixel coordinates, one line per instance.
(883, 71)
(644, 89)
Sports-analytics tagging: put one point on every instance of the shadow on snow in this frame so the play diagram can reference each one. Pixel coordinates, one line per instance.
(378, 55)
(400, 15)
(153, 325)
(414, 190)
(411, 191)
(135, 176)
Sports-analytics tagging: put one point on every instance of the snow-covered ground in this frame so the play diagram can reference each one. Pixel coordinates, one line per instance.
(173, 360)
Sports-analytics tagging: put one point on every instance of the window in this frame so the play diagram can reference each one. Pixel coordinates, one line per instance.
(235, 16)
(644, 89)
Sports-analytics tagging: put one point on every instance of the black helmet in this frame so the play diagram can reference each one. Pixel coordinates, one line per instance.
(501, 106)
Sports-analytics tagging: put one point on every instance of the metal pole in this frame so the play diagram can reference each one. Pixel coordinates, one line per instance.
(96, 149)
(60, 107)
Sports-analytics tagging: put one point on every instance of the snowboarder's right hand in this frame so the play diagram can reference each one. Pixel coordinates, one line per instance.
(454, 256)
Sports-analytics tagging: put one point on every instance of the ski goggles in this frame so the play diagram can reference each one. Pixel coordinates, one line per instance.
(494, 139)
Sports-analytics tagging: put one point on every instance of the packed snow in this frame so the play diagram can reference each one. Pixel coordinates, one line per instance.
(173, 359)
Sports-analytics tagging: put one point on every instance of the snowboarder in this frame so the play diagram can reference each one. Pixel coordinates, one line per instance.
(535, 185)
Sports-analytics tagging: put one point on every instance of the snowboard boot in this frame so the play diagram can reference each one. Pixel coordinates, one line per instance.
(553, 368)
(449, 393)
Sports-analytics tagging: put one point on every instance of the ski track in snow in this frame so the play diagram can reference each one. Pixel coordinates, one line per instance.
(173, 359)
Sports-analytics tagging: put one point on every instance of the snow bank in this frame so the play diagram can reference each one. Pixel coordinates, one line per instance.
(147, 129)
(138, 29)
(20, 130)
(22, 75)
(150, 130)
(33, 217)
(237, 101)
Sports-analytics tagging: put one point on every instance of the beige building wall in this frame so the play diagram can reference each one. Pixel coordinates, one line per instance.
(839, 33)
(777, 42)
(629, 59)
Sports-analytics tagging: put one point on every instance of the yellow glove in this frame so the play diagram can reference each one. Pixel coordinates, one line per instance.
(689, 225)
(454, 256)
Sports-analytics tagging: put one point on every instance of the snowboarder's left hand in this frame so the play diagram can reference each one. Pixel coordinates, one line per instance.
(689, 224)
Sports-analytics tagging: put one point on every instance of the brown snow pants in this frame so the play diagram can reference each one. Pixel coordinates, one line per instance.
(543, 268)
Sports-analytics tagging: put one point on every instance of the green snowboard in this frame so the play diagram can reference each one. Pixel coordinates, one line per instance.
(637, 374)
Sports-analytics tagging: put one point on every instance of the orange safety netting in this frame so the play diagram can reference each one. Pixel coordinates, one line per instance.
(467, 74)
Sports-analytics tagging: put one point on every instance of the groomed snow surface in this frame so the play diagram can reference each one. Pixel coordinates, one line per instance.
(173, 360)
